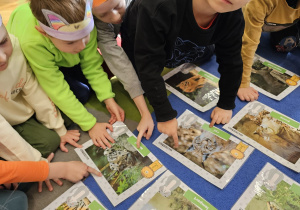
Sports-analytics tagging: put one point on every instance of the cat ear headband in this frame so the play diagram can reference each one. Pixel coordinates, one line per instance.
(0, 20)
(61, 29)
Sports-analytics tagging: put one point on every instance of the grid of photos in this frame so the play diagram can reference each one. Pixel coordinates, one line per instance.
(170, 193)
(272, 133)
(271, 79)
(125, 168)
(193, 85)
(210, 152)
(78, 197)
(270, 190)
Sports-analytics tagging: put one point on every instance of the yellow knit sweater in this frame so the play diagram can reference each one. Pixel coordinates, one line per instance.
(263, 15)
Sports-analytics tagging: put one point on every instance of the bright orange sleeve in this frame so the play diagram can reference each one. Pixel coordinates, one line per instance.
(23, 171)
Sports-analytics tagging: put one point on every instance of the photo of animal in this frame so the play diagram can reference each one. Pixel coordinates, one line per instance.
(268, 79)
(272, 134)
(121, 164)
(195, 87)
(205, 149)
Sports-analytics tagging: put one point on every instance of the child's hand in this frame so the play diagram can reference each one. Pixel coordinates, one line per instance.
(71, 137)
(248, 94)
(100, 136)
(47, 181)
(116, 112)
(145, 128)
(219, 115)
(169, 128)
(73, 171)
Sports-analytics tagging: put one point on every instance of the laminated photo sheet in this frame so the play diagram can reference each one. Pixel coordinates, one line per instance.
(168, 193)
(193, 85)
(76, 197)
(210, 152)
(125, 169)
(270, 190)
(272, 80)
(271, 132)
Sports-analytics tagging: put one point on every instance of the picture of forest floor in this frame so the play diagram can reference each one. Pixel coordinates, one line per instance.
(121, 164)
(280, 199)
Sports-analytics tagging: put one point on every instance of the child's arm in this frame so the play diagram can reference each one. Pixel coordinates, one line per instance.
(228, 52)
(119, 64)
(116, 59)
(38, 171)
(13, 147)
(254, 15)
(149, 57)
(73, 171)
(23, 171)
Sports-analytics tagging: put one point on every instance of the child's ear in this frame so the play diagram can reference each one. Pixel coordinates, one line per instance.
(39, 29)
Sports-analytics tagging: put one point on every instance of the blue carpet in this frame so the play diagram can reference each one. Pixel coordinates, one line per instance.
(223, 199)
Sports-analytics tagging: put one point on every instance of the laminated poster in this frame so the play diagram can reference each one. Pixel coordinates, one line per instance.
(270, 190)
(125, 169)
(169, 193)
(272, 80)
(75, 198)
(271, 132)
(210, 152)
(193, 85)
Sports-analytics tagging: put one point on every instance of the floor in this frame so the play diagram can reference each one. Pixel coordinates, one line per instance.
(7, 6)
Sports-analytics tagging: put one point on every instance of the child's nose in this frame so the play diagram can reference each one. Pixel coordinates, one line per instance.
(82, 44)
(3, 56)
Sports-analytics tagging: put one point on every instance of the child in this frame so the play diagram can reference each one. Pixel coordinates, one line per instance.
(59, 41)
(108, 18)
(26, 171)
(167, 33)
(281, 18)
(26, 111)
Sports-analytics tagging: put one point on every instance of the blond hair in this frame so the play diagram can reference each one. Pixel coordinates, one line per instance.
(72, 11)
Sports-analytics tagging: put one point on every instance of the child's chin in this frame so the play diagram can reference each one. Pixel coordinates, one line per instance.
(3, 66)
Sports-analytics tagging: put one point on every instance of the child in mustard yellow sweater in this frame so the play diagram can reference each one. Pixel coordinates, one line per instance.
(281, 18)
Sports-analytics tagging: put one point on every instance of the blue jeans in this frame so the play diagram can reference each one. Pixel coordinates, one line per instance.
(77, 82)
(13, 200)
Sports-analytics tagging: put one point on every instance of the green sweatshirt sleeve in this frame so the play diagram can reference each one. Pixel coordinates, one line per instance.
(91, 61)
(52, 81)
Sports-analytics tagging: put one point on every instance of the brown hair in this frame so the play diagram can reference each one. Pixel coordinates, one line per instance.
(72, 11)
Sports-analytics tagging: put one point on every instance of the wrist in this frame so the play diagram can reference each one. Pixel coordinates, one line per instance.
(57, 170)
(109, 100)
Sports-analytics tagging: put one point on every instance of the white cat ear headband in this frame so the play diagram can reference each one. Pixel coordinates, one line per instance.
(61, 29)
(0, 20)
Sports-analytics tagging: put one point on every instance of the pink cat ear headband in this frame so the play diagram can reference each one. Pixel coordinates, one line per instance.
(61, 29)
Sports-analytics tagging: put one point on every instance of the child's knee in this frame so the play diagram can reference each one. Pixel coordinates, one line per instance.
(50, 144)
